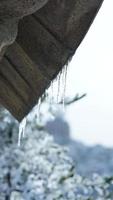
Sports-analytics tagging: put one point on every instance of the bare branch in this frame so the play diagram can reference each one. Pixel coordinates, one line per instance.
(76, 98)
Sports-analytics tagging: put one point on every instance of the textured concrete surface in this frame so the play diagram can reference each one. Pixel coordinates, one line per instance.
(10, 13)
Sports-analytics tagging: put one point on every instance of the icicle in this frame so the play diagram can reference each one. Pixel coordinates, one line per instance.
(37, 109)
(39, 106)
(59, 85)
(52, 95)
(64, 80)
(22, 127)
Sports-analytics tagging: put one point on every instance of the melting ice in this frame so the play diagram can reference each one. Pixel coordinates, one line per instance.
(22, 127)
(59, 87)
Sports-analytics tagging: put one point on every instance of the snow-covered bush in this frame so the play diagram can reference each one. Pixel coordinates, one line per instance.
(41, 170)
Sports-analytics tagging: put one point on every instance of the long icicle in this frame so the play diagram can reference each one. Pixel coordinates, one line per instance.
(59, 86)
(64, 79)
(21, 133)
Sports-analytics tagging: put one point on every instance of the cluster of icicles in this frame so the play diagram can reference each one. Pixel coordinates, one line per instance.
(58, 97)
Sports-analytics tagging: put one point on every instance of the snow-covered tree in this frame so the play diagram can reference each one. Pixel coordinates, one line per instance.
(40, 169)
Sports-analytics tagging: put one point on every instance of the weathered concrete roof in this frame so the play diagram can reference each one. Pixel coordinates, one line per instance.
(46, 40)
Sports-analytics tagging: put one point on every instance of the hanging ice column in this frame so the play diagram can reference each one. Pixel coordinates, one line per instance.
(57, 89)
(64, 84)
(55, 99)
(21, 133)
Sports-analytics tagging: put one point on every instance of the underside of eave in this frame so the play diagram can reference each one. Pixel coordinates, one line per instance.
(46, 41)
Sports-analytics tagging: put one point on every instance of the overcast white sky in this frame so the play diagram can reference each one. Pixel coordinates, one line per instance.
(91, 71)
